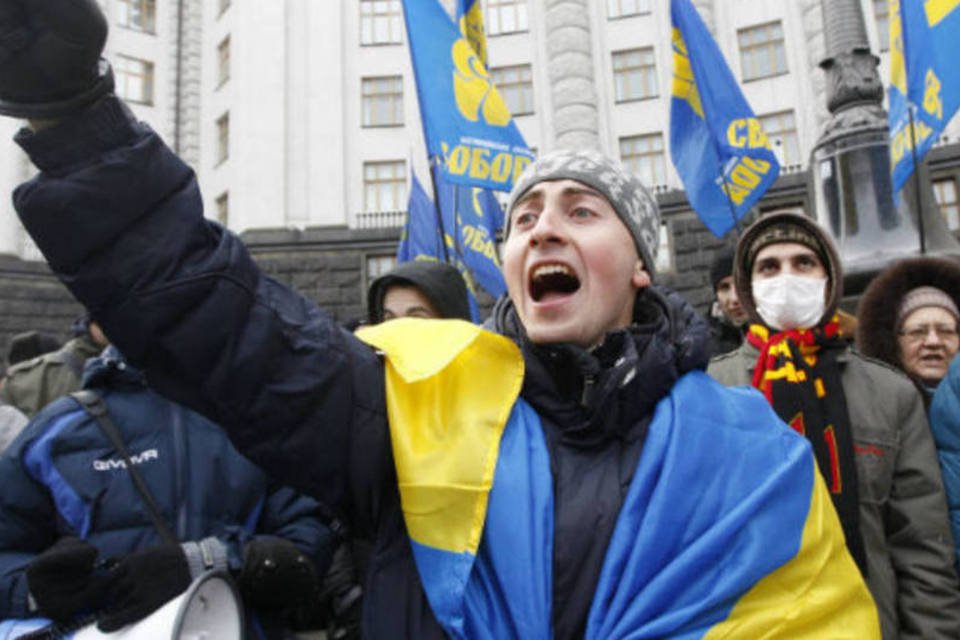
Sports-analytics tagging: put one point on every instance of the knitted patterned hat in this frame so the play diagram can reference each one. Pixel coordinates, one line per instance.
(925, 297)
(624, 191)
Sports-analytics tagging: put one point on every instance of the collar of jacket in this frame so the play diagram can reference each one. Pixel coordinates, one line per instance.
(608, 392)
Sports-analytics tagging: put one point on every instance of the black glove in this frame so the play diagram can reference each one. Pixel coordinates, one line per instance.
(63, 582)
(50, 63)
(276, 575)
(141, 583)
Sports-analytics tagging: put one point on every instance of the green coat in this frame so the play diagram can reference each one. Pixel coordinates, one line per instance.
(903, 509)
(33, 384)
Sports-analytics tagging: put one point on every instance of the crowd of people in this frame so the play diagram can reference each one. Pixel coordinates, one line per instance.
(596, 460)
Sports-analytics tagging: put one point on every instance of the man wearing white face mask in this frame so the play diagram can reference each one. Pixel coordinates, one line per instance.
(864, 420)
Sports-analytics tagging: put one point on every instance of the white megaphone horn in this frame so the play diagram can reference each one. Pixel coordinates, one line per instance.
(210, 609)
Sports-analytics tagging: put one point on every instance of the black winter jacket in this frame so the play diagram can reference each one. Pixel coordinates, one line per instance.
(119, 218)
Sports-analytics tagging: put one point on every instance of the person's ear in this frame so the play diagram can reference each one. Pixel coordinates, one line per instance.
(640, 278)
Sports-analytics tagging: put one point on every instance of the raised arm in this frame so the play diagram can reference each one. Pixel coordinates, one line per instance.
(120, 220)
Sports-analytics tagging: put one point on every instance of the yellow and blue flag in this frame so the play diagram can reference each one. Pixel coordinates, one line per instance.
(924, 47)
(466, 122)
(470, 19)
(470, 217)
(717, 144)
(751, 549)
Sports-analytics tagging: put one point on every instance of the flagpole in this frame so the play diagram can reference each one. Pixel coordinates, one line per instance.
(916, 181)
(436, 206)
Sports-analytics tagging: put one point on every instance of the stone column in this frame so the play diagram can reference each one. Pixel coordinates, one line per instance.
(576, 120)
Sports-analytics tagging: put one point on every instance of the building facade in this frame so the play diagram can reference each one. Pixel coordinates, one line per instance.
(303, 114)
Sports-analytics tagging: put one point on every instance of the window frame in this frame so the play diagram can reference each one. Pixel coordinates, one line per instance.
(645, 71)
(768, 117)
(223, 61)
(223, 138)
(122, 73)
(632, 160)
(398, 181)
(393, 17)
(146, 8)
(522, 87)
(369, 101)
(494, 10)
(620, 12)
(770, 48)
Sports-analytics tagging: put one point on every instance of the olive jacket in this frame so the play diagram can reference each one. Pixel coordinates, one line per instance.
(903, 509)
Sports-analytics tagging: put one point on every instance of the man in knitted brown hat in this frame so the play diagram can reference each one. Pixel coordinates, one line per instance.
(865, 421)
(572, 473)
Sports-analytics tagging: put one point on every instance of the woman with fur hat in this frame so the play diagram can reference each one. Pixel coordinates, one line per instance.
(908, 318)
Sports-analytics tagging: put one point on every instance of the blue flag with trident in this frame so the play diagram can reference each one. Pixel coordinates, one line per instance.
(717, 144)
(466, 123)
(924, 89)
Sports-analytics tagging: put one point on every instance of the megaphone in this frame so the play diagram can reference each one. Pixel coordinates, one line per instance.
(210, 609)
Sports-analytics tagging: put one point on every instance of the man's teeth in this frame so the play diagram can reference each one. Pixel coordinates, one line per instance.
(549, 269)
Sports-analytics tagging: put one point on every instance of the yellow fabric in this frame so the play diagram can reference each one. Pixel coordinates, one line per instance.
(818, 594)
(446, 429)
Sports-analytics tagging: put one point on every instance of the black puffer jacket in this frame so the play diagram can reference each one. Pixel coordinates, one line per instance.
(119, 218)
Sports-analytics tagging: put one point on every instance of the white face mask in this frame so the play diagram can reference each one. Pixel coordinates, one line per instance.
(789, 301)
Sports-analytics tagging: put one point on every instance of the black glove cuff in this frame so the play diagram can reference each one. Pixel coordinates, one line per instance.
(61, 108)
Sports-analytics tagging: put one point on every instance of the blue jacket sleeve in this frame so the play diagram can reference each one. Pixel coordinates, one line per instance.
(945, 424)
(120, 220)
(28, 525)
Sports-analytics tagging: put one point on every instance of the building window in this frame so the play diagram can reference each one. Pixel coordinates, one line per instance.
(223, 208)
(945, 192)
(881, 15)
(634, 74)
(643, 156)
(223, 6)
(506, 16)
(664, 260)
(134, 78)
(623, 8)
(223, 137)
(223, 61)
(381, 21)
(515, 85)
(380, 265)
(140, 15)
(762, 52)
(781, 130)
(382, 101)
(384, 185)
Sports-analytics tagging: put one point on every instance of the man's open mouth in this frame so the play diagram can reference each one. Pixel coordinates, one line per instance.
(554, 278)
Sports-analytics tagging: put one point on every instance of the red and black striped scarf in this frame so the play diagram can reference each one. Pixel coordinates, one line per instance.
(798, 373)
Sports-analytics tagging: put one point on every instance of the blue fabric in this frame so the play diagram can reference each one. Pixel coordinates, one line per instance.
(509, 593)
(945, 424)
(689, 544)
(925, 39)
(713, 131)
(464, 120)
(38, 460)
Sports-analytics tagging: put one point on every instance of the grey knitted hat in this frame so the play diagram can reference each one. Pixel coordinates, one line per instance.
(624, 191)
(925, 297)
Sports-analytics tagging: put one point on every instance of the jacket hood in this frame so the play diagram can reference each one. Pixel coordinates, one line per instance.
(441, 283)
(743, 267)
(877, 311)
(604, 392)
